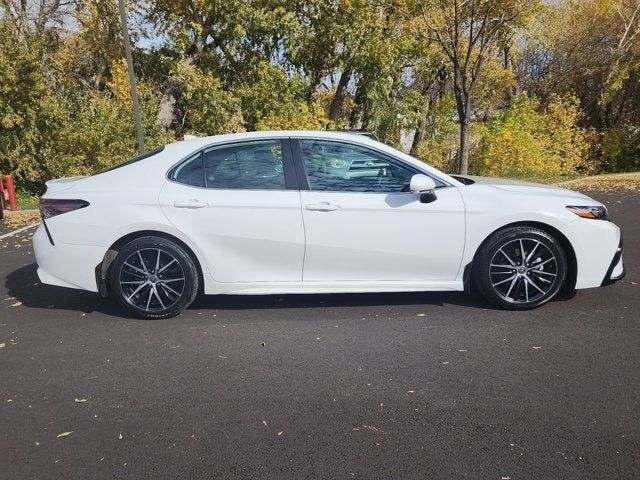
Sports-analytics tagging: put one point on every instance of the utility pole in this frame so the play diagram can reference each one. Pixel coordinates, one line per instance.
(132, 77)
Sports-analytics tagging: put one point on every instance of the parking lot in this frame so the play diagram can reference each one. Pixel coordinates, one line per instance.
(330, 386)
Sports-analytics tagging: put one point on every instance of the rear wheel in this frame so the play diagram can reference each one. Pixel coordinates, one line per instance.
(154, 278)
(520, 268)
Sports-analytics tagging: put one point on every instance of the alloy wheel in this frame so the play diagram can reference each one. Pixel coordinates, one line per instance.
(152, 279)
(523, 271)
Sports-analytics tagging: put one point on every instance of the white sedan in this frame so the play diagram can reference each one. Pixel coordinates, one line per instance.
(314, 212)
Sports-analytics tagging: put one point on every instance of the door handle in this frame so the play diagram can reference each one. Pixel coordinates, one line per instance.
(190, 204)
(322, 207)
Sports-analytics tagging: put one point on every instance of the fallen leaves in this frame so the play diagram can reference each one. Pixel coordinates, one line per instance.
(64, 434)
(21, 218)
(605, 183)
(80, 400)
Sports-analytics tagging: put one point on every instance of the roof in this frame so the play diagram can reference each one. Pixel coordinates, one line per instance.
(329, 134)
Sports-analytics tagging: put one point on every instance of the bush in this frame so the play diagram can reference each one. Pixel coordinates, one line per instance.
(47, 133)
(527, 141)
(621, 149)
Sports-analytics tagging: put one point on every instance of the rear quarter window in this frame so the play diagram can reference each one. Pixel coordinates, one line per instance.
(135, 159)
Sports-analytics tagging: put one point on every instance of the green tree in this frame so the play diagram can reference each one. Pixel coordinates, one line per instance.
(468, 31)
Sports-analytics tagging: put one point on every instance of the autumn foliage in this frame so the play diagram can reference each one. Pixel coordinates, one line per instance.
(526, 88)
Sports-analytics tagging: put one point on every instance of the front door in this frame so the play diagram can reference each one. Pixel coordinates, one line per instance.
(362, 224)
(237, 203)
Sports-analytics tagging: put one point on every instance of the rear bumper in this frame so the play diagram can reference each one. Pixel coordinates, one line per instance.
(65, 265)
(617, 270)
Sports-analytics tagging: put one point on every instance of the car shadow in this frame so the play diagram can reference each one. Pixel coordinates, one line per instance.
(23, 284)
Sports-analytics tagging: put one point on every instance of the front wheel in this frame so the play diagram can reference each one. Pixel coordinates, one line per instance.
(154, 278)
(520, 268)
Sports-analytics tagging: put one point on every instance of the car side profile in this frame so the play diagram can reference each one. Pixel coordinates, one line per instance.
(314, 212)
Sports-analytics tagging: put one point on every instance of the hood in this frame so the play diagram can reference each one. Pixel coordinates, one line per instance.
(519, 186)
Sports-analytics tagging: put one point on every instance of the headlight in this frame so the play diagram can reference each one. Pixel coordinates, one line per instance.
(593, 213)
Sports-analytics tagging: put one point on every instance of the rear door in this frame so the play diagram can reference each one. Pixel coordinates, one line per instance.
(239, 203)
(362, 223)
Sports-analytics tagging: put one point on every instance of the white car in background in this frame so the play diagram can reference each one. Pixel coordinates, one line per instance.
(314, 212)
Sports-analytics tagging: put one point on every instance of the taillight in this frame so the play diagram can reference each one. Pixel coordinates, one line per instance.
(50, 207)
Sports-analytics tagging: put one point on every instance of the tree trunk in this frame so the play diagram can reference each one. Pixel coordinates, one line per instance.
(167, 110)
(465, 145)
(442, 83)
(164, 119)
(418, 137)
(316, 85)
(357, 118)
(463, 104)
(421, 129)
(340, 96)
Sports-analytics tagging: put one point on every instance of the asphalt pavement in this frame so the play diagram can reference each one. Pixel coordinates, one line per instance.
(384, 386)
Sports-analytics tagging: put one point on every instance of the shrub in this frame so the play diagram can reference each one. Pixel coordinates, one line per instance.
(527, 141)
(621, 149)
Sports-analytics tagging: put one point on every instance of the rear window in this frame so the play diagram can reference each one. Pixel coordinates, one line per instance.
(142, 156)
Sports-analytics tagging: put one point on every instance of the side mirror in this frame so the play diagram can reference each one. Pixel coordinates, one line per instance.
(421, 183)
(425, 186)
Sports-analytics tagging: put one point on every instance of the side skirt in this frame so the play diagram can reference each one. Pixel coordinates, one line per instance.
(271, 288)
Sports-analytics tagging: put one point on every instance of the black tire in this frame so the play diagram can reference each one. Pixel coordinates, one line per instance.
(145, 278)
(512, 281)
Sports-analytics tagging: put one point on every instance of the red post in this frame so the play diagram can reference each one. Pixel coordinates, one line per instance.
(2, 200)
(8, 180)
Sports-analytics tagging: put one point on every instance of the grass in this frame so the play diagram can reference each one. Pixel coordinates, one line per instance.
(27, 201)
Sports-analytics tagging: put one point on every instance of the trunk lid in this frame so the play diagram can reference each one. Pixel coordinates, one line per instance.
(61, 184)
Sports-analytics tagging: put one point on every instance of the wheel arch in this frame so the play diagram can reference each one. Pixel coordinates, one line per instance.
(102, 269)
(572, 262)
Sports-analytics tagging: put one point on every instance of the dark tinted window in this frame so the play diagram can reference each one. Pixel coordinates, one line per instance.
(142, 156)
(190, 172)
(342, 167)
(256, 165)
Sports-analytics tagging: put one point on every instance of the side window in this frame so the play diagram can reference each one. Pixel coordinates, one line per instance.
(190, 172)
(256, 165)
(342, 167)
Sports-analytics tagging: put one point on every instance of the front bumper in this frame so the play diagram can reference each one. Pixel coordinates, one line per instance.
(616, 271)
